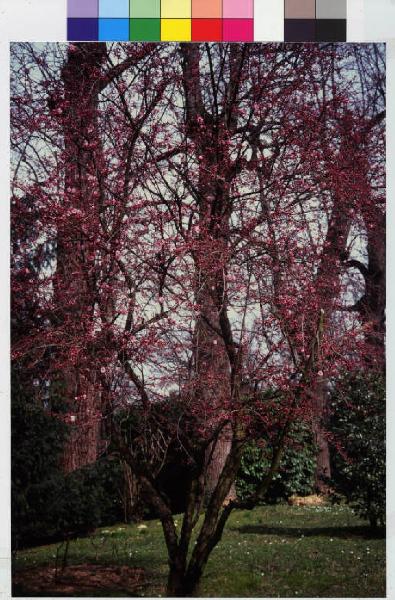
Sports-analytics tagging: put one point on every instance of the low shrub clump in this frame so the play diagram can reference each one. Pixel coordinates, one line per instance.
(296, 473)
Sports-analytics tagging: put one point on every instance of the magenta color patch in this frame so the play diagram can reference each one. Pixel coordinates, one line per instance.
(238, 30)
(238, 9)
(83, 9)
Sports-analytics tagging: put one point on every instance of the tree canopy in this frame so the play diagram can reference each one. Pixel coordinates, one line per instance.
(198, 227)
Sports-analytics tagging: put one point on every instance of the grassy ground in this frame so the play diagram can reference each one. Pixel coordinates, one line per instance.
(272, 551)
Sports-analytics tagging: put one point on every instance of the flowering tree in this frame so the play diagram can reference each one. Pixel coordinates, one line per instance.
(206, 211)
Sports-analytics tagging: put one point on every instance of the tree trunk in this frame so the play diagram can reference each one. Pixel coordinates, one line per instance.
(82, 445)
(212, 365)
(80, 128)
(176, 583)
(323, 466)
(372, 304)
(328, 284)
(216, 457)
(213, 383)
(131, 495)
(180, 585)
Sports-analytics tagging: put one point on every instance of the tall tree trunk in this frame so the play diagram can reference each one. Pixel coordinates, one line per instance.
(82, 164)
(212, 366)
(350, 171)
(371, 306)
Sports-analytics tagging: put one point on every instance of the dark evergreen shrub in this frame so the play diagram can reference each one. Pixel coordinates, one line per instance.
(45, 503)
(358, 423)
(296, 473)
(37, 445)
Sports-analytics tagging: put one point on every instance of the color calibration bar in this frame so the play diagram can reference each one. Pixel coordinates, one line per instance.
(315, 20)
(161, 20)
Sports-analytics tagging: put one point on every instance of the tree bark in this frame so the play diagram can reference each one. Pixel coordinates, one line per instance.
(131, 495)
(323, 465)
(212, 366)
(175, 583)
(371, 306)
(80, 129)
(213, 386)
(328, 280)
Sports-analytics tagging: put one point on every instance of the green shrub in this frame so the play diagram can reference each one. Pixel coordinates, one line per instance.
(90, 497)
(46, 504)
(37, 445)
(296, 473)
(358, 423)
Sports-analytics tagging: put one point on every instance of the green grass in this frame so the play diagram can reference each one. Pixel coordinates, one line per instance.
(272, 551)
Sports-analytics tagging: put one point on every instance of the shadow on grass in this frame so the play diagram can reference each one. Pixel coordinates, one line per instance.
(339, 532)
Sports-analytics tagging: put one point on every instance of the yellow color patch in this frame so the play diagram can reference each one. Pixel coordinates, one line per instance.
(175, 30)
(175, 9)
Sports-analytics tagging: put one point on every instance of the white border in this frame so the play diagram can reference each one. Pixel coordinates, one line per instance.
(355, 20)
(390, 120)
(45, 20)
(5, 475)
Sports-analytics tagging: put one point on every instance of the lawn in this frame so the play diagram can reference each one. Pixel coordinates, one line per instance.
(272, 551)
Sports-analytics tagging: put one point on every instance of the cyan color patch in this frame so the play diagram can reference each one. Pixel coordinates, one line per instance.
(113, 9)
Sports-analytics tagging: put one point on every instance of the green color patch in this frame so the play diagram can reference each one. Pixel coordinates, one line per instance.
(145, 30)
(144, 9)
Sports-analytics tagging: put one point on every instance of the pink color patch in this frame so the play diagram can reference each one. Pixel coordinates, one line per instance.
(238, 9)
(238, 30)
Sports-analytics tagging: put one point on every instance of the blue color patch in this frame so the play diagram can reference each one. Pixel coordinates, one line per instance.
(82, 30)
(114, 30)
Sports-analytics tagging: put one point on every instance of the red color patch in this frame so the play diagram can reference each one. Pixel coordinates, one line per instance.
(204, 30)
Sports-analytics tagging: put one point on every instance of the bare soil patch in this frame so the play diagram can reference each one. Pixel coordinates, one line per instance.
(313, 500)
(81, 580)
